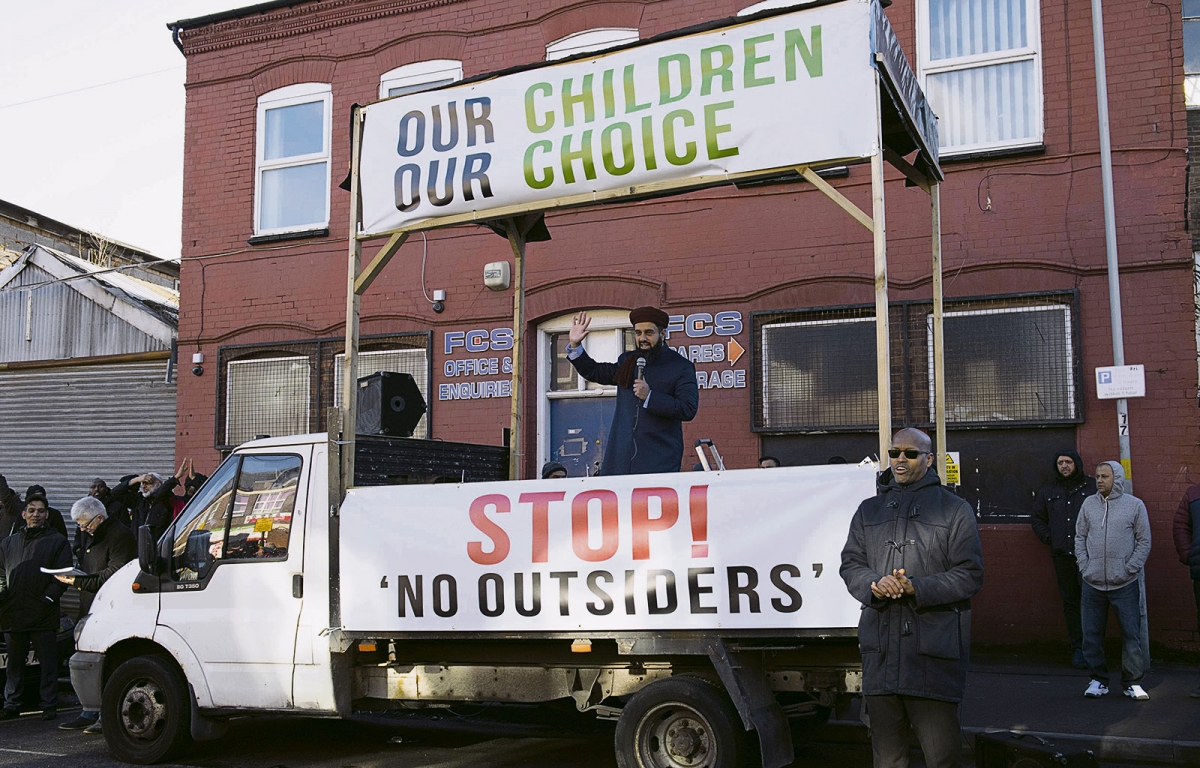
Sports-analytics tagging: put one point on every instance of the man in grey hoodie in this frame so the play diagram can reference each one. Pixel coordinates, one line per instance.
(1112, 542)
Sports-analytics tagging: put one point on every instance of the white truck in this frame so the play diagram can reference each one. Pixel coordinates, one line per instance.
(690, 608)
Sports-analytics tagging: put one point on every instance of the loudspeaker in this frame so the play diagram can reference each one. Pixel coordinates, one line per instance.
(389, 404)
(1008, 749)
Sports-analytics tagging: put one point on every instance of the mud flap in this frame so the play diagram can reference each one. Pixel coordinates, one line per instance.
(746, 683)
(204, 728)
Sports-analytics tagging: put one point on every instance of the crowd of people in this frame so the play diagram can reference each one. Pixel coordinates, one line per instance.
(38, 564)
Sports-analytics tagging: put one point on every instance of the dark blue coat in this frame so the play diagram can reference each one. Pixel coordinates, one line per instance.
(650, 439)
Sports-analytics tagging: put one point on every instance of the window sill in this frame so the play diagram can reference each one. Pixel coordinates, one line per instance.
(993, 154)
(285, 236)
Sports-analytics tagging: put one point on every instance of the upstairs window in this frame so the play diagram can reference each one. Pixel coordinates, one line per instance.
(588, 41)
(1191, 52)
(980, 63)
(419, 76)
(292, 168)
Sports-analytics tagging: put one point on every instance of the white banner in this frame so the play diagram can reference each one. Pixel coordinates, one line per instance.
(786, 90)
(741, 549)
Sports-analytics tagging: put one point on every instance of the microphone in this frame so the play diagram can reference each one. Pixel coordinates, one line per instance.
(641, 367)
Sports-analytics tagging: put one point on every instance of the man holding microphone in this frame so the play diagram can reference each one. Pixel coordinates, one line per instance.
(656, 393)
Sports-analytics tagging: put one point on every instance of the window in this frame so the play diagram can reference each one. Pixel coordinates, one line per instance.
(266, 397)
(256, 526)
(605, 345)
(286, 387)
(261, 519)
(1007, 364)
(410, 361)
(589, 40)
(1191, 52)
(980, 63)
(813, 382)
(419, 77)
(200, 529)
(292, 177)
(1009, 361)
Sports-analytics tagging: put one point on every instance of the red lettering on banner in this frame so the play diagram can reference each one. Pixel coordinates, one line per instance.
(541, 521)
(644, 525)
(500, 542)
(698, 512)
(608, 525)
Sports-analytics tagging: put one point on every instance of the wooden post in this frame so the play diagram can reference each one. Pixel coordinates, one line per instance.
(516, 231)
(939, 349)
(349, 403)
(882, 333)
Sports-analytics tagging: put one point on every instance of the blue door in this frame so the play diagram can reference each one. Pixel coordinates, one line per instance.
(579, 432)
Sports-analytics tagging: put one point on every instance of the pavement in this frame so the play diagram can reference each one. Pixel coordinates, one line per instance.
(1043, 696)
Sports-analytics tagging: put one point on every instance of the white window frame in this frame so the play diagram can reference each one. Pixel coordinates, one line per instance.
(1032, 52)
(1191, 80)
(288, 96)
(420, 73)
(613, 321)
(590, 40)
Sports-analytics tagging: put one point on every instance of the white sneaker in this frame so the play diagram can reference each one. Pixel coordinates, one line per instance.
(1137, 693)
(1096, 689)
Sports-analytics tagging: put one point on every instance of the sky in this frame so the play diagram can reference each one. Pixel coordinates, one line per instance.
(91, 114)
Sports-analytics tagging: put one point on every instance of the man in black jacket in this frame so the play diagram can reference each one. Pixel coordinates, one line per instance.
(1055, 510)
(29, 613)
(105, 546)
(647, 427)
(10, 509)
(913, 559)
(148, 497)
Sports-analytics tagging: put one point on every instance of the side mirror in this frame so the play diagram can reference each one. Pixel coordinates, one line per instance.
(147, 556)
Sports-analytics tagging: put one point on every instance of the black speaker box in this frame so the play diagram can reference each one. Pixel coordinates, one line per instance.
(389, 404)
(1008, 749)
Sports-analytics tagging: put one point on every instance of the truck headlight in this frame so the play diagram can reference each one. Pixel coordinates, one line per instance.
(79, 626)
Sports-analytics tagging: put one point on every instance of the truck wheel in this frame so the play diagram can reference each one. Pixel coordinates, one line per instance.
(146, 712)
(680, 722)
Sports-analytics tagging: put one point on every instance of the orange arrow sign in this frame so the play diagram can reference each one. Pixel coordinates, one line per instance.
(735, 351)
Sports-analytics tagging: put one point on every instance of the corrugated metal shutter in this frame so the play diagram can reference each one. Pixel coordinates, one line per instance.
(61, 427)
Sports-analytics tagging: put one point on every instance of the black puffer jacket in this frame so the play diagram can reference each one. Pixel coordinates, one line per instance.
(1056, 506)
(28, 597)
(918, 645)
(101, 555)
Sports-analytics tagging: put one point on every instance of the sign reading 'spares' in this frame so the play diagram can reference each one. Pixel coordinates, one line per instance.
(782, 91)
(741, 549)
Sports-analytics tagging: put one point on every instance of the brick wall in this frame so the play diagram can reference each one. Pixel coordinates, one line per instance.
(1010, 225)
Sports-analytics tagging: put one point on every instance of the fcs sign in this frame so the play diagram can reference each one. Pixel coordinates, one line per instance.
(705, 325)
(474, 343)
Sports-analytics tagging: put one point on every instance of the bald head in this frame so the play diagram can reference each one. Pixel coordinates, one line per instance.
(910, 456)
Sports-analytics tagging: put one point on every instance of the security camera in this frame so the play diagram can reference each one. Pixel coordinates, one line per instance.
(197, 370)
(439, 307)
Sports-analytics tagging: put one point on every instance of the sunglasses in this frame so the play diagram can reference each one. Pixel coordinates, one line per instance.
(910, 453)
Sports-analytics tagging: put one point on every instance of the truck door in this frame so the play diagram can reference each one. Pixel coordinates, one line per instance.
(228, 588)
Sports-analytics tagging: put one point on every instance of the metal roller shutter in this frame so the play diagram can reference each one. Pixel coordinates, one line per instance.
(61, 427)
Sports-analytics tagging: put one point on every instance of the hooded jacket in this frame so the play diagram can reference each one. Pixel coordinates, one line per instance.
(28, 597)
(1112, 537)
(918, 645)
(1056, 506)
(646, 439)
(1186, 530)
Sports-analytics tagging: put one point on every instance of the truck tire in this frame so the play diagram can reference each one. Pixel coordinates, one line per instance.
(680, 722)
(146, 712)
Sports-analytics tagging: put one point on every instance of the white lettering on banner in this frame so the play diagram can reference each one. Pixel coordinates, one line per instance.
(741, 550)
(685, 110)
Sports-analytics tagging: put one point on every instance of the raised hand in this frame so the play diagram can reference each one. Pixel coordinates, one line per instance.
(579, 328)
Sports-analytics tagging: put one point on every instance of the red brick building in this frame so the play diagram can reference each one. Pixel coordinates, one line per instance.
(770, 282)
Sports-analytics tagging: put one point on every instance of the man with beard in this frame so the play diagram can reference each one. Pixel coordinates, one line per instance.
(149, 500)
(29, 614)
(656, 393)
(1055, 510)
(914, 561)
